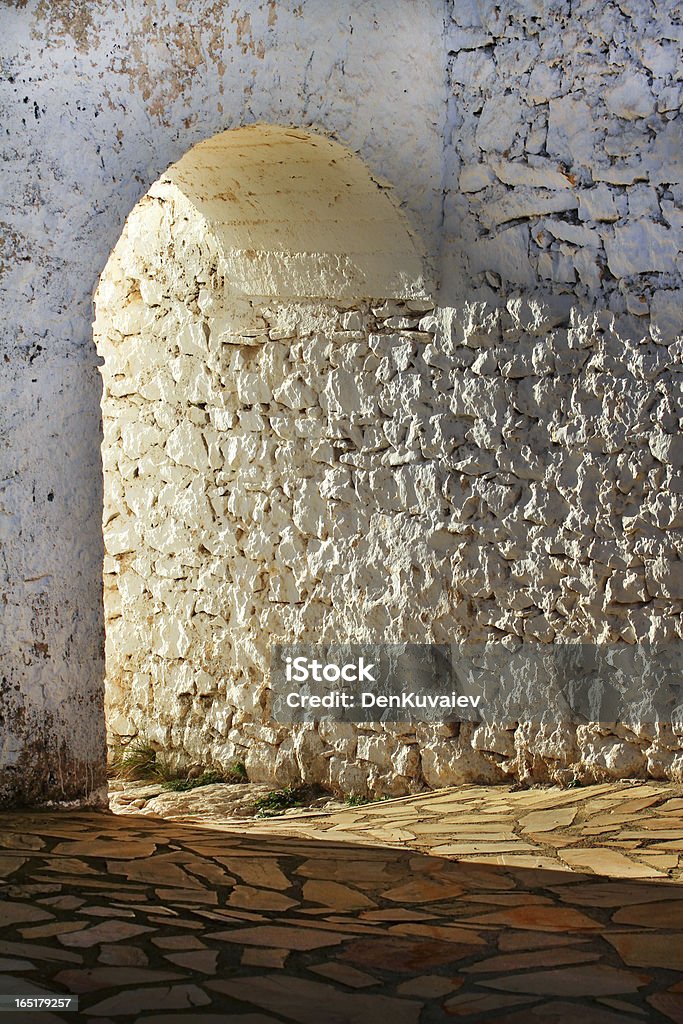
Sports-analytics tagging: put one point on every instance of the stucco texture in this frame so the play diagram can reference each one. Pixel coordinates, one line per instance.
(98, 99)
(533, 149)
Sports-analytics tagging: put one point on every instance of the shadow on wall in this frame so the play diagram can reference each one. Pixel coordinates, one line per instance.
(298, 446)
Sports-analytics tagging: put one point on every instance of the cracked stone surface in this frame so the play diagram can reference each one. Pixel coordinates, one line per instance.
(356, 914)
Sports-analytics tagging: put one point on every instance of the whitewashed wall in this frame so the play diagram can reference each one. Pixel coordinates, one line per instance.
(538, 150)
(98, 99)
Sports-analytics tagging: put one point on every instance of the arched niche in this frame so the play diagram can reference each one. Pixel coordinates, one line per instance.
(256, 296)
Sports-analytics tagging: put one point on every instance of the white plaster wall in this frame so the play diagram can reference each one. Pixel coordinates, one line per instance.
(98, 98)
(559, 173)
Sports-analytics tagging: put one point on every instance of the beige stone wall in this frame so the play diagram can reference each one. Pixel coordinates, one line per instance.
(362, 471)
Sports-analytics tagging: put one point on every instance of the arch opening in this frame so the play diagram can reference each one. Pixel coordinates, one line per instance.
(256, 295)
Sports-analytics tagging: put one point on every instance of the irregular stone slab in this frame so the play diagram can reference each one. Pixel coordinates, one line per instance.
(447, 932)
(536, 958)
(45, 931)
(259, 899)
(668, 1003)
(403, 954)
(429, 986)
(262, 872)
(177, 997)
(346, 975)
(8, 965)
(607, 862)
(37, 952)
(589, 980)
(645, 949)
(124, 849)
(335, 895)
(647, 915)
(465, 848)
(540, 919)
(514, 940)
(423, 890)
(160, 870)
(280, 936)
(548, 820)
(18, 913)
(180, 942)
(255, 956)
(108, 931)
(8, 865)
(202, 960)
(123, 956)
(93, 979)
(302, 1000)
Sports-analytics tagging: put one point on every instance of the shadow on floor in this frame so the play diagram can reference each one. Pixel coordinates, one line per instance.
(150, 920)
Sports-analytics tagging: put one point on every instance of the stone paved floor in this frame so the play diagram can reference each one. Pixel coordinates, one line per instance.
(470, 905)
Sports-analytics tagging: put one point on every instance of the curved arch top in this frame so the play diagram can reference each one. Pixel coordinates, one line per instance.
(297, 215)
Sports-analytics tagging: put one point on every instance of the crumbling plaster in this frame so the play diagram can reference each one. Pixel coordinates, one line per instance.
(535, 145)
(98, 99)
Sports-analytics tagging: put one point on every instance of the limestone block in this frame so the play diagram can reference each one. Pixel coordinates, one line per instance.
(310, 509)
(134, 318)
(347, 777)
(507, 254)
(295, 394)
(631, 97)
(406, 761)
(121, 535)
(571, 131)
(598, 203)
(499, 122)
(523, 202)
(170, 639)
(186, 447)
(260, 761)
(252, 388)
(544, 83)
(445, 763)
(374, 749)
(191, 339)
(664, 577)
(641, 246)
(666, 310)
(309, 749)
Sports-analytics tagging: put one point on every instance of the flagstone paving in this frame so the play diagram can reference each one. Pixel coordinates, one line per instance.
(468, 905)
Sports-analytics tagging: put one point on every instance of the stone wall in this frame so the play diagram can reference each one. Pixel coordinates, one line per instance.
(564, 167)
(97, 100)
(536, 145)
(371, 471)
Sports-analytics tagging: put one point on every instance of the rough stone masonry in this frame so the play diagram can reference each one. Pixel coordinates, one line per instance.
(322, 471)
(512, 454)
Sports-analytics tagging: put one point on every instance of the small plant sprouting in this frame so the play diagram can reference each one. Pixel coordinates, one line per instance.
(282, 799)
(138, 761)
(356, 800)
(207, 778)
(236, 773)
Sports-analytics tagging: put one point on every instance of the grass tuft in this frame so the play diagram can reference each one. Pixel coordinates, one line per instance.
(138, 761)
(280, 800)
